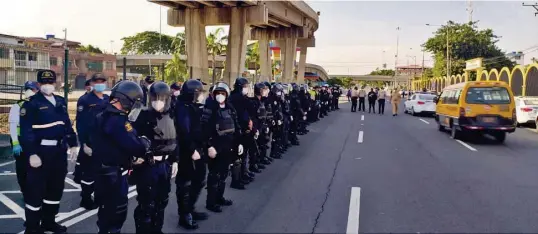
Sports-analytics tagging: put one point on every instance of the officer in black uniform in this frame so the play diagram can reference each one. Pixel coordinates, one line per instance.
(116, 147)
(275, 100)
(265, 136)
(46, 133)
(259, 120)
(221, 132)
(152, 177)
(175, 90)
(88, 106)
(337, 92)
(304, 101)
(297, 114)
(77, 174)
(324, 99)
(192, 170)
(145, 88)
(242, 105)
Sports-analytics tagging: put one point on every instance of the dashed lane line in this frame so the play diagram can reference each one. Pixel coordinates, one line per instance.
(361, 136)
(354, 211)
(362, 117)
(426, 122)
(466, 145)
(6, 163)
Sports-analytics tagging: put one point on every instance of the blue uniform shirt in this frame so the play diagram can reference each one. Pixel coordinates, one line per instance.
(40, 120)
(88, 106)
(115, 141)
(189, 129)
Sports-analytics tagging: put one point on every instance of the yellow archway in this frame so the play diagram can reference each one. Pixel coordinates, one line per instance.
(483, 76)
(453, 80)
(493, 75)
(465, 77)
(459, 78)
(517, 81)
(531, 80)
(504, 75)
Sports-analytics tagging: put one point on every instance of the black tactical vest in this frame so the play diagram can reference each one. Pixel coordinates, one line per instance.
(164, 142)
(225, 122)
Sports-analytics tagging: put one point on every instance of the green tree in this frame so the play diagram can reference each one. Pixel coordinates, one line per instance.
(253, 56)
(90, 49)
(465, 42)
(216, 45)
(148, 42)
(347, 82)
(382, 72)
(176, 69)
(179, 43)
(335, 81)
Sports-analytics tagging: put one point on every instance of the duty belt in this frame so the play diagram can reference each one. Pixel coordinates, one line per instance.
(224, 132)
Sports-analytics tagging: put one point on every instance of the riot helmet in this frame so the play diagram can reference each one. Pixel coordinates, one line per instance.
(286, 89)
(242, 85)
(277, 89)
(294, 87)
(266, 83)
(221, 91)
(175, 89)
(159, 97)
(191, 90)
(129, 95)
(258, 89)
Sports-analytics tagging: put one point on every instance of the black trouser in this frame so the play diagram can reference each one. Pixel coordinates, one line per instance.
(218, 168)
(336, 103)
(381, 108)
(354, 104)
(111, 190)
(190, 180)
(361, 104)
(371, 106)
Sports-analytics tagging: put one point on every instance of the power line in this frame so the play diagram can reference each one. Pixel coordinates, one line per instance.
(535, 6)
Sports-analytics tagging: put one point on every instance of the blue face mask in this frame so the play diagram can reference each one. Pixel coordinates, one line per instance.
(99, 87)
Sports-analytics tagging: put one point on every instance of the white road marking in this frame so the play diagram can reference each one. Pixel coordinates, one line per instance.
(424, 121)
(19, 211)
(358, 158)
(62, 216)
(354, 209)
(361, 135)
(466, 145)
(72, 183)
(6, 163)
(362, 124)
(17, 191)
(362, 117)
(90, 213)
(10, 216)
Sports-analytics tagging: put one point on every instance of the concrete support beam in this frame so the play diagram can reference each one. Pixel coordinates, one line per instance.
(301, 66)
(288, 49)
(265, 60)
(279, 33)
(196, 45)
(220, 16)
(237, 45)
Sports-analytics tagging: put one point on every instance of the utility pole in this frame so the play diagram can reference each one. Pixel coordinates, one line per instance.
(470, 10)
(66, 68)
(422, 63)
(447, 51)
(111, 46)
(160, 30)
(535, 6)
(396, 57)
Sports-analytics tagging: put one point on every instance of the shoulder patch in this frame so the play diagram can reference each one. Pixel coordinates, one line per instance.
(128, 127)
(23, 112)
(80, 108)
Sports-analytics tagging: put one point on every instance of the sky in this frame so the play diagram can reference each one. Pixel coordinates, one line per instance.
(351, 37)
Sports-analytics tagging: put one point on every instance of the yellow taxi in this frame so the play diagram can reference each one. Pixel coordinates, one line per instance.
(486, 107)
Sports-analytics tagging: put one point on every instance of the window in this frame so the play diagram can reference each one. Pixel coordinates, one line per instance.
(108, 66)
(53, 61)
(32, 56)
(444, 96)
(4, 53)
(487, 95)
(531, 102)
(426, 97)
(20, 55)
(95, 66)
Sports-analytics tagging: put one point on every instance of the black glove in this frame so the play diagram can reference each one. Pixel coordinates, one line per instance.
(146, 142)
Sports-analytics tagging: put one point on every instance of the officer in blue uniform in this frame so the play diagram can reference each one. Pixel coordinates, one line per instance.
(21, 158)
(88, 106)
(192, 170)
(46, 133)
(152, 178)
(221, 132)
(259, 120)
(77, 175)
(115, 147)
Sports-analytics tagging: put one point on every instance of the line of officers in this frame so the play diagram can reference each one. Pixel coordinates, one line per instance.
(147, 135)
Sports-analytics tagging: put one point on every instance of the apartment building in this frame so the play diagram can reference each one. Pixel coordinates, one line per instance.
(19, 62)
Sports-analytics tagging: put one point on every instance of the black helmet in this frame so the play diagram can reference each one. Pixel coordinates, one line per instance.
(302, 88)
(88, 82)
(149, 79)
(221, 86)
(239, 82)
(191, 89)
(129, 95)
(159, 96)
(98, 76)
(258, 89)
(277, 88)
(266, 83)
(294, 87)
(175, 86)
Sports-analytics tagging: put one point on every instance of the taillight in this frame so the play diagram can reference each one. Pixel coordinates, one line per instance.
(421, 103)
(462, 111)
(526, 109)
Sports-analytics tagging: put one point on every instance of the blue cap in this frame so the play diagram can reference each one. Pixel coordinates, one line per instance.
(30, 85)
(87, 83)
(46, 76)
(98, 76)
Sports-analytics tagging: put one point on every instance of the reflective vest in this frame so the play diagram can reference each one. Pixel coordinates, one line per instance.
(20, 103)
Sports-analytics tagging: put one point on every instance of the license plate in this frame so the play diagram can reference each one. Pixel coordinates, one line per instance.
(489, 119)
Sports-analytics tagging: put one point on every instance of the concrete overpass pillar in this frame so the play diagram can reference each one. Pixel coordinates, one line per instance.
(237, 45)
(301, 67)
(288, 58)
(196, 44)
(265, 60)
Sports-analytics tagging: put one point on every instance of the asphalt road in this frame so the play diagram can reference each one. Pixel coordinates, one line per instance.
(412, 178)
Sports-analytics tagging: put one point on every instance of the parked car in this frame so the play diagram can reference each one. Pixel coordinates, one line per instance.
(526, 109)
(420, 103)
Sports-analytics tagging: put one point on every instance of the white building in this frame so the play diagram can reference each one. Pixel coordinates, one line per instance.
(18, 62)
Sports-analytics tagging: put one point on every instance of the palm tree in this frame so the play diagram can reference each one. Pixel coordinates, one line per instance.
(253, 56)
(175, 69)
(216, 45)
(178, 43)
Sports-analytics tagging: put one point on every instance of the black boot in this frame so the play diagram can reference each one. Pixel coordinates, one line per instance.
(261, 165)
(194, 194)
(221, 200)
(269, 159)
(237, 182)
(52, 226)
(212, 194)
(237, 185)
(186, 221)
(88, 204)
(34, 231)
(254, 168)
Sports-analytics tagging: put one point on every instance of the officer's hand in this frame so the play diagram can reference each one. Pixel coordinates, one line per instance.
(240, 150)
(304, 117)
(17, 149)
(279, 122)
(267, 129)
(87, 150)
(308, 108)
(291, 118)
(73, 153)
(174, 169)
(273, 122)
(138, 161)
(250, 124)
(212, 152)
(145, 141)
(256, 135)
(35, 161)
(195, 155)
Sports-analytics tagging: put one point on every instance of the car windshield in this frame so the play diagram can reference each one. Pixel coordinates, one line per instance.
(487, 95)
(531, 102)
(426, 97)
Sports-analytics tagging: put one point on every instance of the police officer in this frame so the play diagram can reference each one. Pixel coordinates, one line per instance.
(21, 158)
(147, 83)
(324, 99)
(152, 178)
(265, 136)
(337, 92)
(297, 114)
(259, 120)
(221, 132)
(175, 90)
(242, 105)
(304, 101)
(288, 117)
(88, 106)
(46, 133)
(362, 96)
(78, 171)
(275, 100)
(116, 147)
(192, 170)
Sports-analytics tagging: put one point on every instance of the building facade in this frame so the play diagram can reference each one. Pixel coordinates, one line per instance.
(19, 62)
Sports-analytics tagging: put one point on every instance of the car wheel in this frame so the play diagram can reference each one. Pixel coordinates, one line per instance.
(440, 127)
(405, 109)
(413, 111)
(500, 137)
(455, 133)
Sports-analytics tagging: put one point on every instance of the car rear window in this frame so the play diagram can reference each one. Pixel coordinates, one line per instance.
(426, 97)
(487, 95)
(531, 102)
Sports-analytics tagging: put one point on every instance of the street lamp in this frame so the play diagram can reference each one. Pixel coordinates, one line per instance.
(447, 50)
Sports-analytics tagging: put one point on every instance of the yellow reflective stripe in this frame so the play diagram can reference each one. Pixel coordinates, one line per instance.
(48, 125)
(16, 143)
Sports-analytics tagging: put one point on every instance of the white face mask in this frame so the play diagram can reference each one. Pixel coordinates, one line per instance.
(157, 105)
(265, 93)
(201, 98)
(220, 98)
(28, 93)
(244, 91)
(47, 89)
(176, 93)
(278, 93)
